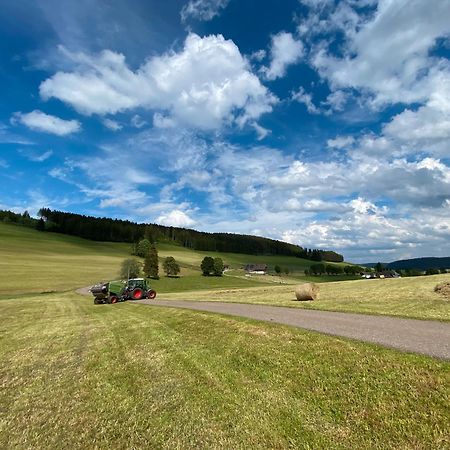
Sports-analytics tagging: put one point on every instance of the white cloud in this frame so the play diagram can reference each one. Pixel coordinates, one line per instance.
(260, 131)
(336, 100)
(35, 156)
(39, 121)
(175, 218)
(259, 55)
(341, 142)
(203, 9)
(303, 97)
(160, 121)
(388, 55)
(372, 201)
(205, 85)
(3, 164)
(112, 124)
(285, 50)
(428, 127)
(137, 121)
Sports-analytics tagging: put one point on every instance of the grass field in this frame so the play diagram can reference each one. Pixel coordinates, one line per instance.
(36, 262)
(77, 376)
(406, 297)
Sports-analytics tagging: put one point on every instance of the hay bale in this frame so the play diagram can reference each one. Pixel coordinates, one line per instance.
(443, 289)
(307, 291)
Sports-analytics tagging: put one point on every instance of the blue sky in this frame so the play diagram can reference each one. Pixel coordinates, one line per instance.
(323, 123)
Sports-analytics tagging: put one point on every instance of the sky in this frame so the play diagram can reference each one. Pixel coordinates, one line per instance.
(318, 122)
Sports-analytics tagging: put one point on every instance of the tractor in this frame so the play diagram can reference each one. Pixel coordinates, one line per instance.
(119, 291)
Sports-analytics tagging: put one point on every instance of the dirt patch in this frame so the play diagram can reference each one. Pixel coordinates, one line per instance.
(443, 289)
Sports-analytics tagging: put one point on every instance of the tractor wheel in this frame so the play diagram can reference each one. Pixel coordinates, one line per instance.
(113, 299)
(151, 294)
(97, 301)
(137, 294)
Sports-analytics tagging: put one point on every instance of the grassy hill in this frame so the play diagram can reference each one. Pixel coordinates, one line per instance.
(420, 263)
(35, 261)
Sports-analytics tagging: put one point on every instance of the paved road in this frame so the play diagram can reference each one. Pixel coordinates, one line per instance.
(427, 337)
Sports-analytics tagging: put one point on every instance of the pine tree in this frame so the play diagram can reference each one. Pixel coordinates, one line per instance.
(151, 268)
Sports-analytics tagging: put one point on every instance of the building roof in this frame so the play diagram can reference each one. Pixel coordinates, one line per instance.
(256, 267)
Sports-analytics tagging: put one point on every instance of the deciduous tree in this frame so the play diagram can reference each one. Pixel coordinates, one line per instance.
(207, 265)
(171, 267)
(130, 268)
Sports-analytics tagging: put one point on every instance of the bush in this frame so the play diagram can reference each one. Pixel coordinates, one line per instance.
(277, 269)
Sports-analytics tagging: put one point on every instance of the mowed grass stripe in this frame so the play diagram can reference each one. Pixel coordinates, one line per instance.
(75, 375)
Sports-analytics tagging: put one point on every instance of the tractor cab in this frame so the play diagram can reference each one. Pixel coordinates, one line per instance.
(138, 288)
(137, 283)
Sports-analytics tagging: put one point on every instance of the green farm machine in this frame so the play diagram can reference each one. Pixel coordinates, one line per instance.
(119, 291)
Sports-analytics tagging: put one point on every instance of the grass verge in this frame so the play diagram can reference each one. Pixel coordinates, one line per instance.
(406, 297)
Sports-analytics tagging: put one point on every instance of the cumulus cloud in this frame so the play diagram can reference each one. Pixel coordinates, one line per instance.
(375, 200)
(426, 128)
(175, 218)
(203, 10)
(39, 121)
(388, 55)
(285, 50)
(205, 85)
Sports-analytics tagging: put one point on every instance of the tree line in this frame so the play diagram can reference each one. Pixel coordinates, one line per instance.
(331, 269)
(116, 230)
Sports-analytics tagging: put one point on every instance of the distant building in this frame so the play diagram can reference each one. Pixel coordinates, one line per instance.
(256, 269)
(389, 274)
(383, 274)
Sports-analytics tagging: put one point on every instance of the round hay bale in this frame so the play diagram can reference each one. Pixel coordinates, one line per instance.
(443, 289)
(307, 291)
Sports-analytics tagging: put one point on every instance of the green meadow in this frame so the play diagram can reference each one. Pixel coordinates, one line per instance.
(76, 375)
(37, 262)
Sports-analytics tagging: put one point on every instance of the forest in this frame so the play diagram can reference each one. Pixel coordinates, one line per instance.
(116, 230)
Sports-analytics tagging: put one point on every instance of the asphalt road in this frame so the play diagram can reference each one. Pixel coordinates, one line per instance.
(427, 337)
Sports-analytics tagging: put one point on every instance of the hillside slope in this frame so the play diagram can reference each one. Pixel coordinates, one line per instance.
(35, 261)
(421, 263)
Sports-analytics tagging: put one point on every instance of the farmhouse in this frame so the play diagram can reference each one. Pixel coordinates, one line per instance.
(384, 274)
(256, 269)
